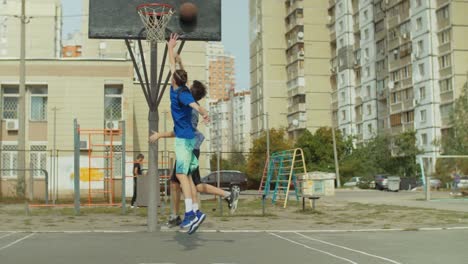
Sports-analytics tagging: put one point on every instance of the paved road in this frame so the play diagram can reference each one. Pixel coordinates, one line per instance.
(446, 246)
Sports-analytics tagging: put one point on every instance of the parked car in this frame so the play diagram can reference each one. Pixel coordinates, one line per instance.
(229, 179)
(353, 182)
(381, 182)
(436, 183)
(463, 184)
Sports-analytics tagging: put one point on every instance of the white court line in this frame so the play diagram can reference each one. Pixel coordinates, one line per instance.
(7, 235)
(16, 241)
(248, 230)
(350, 249)
(311, 248)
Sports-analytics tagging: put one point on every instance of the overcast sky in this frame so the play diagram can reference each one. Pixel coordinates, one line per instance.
(235, 32)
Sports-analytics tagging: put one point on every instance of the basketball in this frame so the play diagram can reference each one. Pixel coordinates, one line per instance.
(188, 12)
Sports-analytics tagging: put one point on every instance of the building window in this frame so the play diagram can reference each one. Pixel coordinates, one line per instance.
(424, 139)
(10, 102)
(366, 34)
(445, 61)
(444, 36)
(368, 90)
(9, 160)
(340, 26)
(343, 115)
(342, 42)
(369, 109)
(366, 15)
(422, 93)
(38, 159)
(113, 102)
(418, 3)
(38, 103)
(420, 47)
(343, 97)
(367, 71)
(421, 69)
(445, 85)
(369, 128)
(418, 23)
(423, 116)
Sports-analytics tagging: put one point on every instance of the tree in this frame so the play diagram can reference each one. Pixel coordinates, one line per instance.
(455, 142)
(405, 152)
(318, 149)
(257, 157)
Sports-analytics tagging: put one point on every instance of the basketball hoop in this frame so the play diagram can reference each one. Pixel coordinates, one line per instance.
(155, 17)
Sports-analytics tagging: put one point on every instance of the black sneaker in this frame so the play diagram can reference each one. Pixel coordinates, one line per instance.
(174, 222)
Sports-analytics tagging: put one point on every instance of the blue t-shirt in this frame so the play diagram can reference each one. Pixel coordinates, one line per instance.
(182, 112)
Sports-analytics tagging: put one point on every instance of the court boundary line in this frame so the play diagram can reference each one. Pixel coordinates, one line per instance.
(17, 241)
(349, 249)
(7, 235)
(247, 230)
(314, 249)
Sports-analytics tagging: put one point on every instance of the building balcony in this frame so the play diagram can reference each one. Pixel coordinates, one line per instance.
(393, 21)
(445, 122)
(445, 48)
(380, 35)
(358, 100)
(408, 82)
(446, 97)
(442, 3)
(383, 94)
(394, 43)
(358, 118)
(332, 34)
(334, 105)
(292, 8)
(297, 108)
(295, 91)
(408, 104)
(331, 3)
(356, 26)
(445, 72)
(395, 108)
(382, 113)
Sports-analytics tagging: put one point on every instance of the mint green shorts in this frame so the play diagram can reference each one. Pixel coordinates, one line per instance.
(186, 161)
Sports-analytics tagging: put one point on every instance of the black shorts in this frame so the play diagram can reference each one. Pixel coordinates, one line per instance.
(195, 174)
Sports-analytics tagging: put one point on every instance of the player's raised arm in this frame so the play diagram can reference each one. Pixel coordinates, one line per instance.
(170, 46)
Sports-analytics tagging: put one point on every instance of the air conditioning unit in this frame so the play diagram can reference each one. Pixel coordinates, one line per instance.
(300, 35)
(112, 125)
(301, 54)
(12, 125)
(84, 144)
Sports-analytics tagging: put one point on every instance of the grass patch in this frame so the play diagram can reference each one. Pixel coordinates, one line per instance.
(411, 229)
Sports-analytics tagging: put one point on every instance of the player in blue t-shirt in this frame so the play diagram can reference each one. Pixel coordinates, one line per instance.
(182, 103)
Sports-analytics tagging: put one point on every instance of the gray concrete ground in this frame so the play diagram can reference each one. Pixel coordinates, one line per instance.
(446, 246)
(439, 200)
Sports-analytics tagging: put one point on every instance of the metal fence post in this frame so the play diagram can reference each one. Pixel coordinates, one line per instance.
(124, 201)
(76, 133)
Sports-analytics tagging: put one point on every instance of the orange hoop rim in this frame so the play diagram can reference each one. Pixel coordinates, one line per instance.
(168, 6)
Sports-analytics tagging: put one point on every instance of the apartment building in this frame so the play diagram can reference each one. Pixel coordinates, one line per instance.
(43, 28)
(289, 58)
(397, 65)
(221, 71)
(230, 123)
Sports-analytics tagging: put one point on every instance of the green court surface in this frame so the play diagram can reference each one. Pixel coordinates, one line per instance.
(441, 246)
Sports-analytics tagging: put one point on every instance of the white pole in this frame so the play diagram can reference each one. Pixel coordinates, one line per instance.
(21, 184)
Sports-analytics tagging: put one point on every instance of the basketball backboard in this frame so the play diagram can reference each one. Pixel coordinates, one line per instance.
(118, 19)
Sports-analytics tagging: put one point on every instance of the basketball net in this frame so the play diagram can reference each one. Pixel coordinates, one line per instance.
(155, 19)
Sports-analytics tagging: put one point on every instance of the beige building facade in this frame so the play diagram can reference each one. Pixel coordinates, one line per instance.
(289, 59)
(43, 28)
